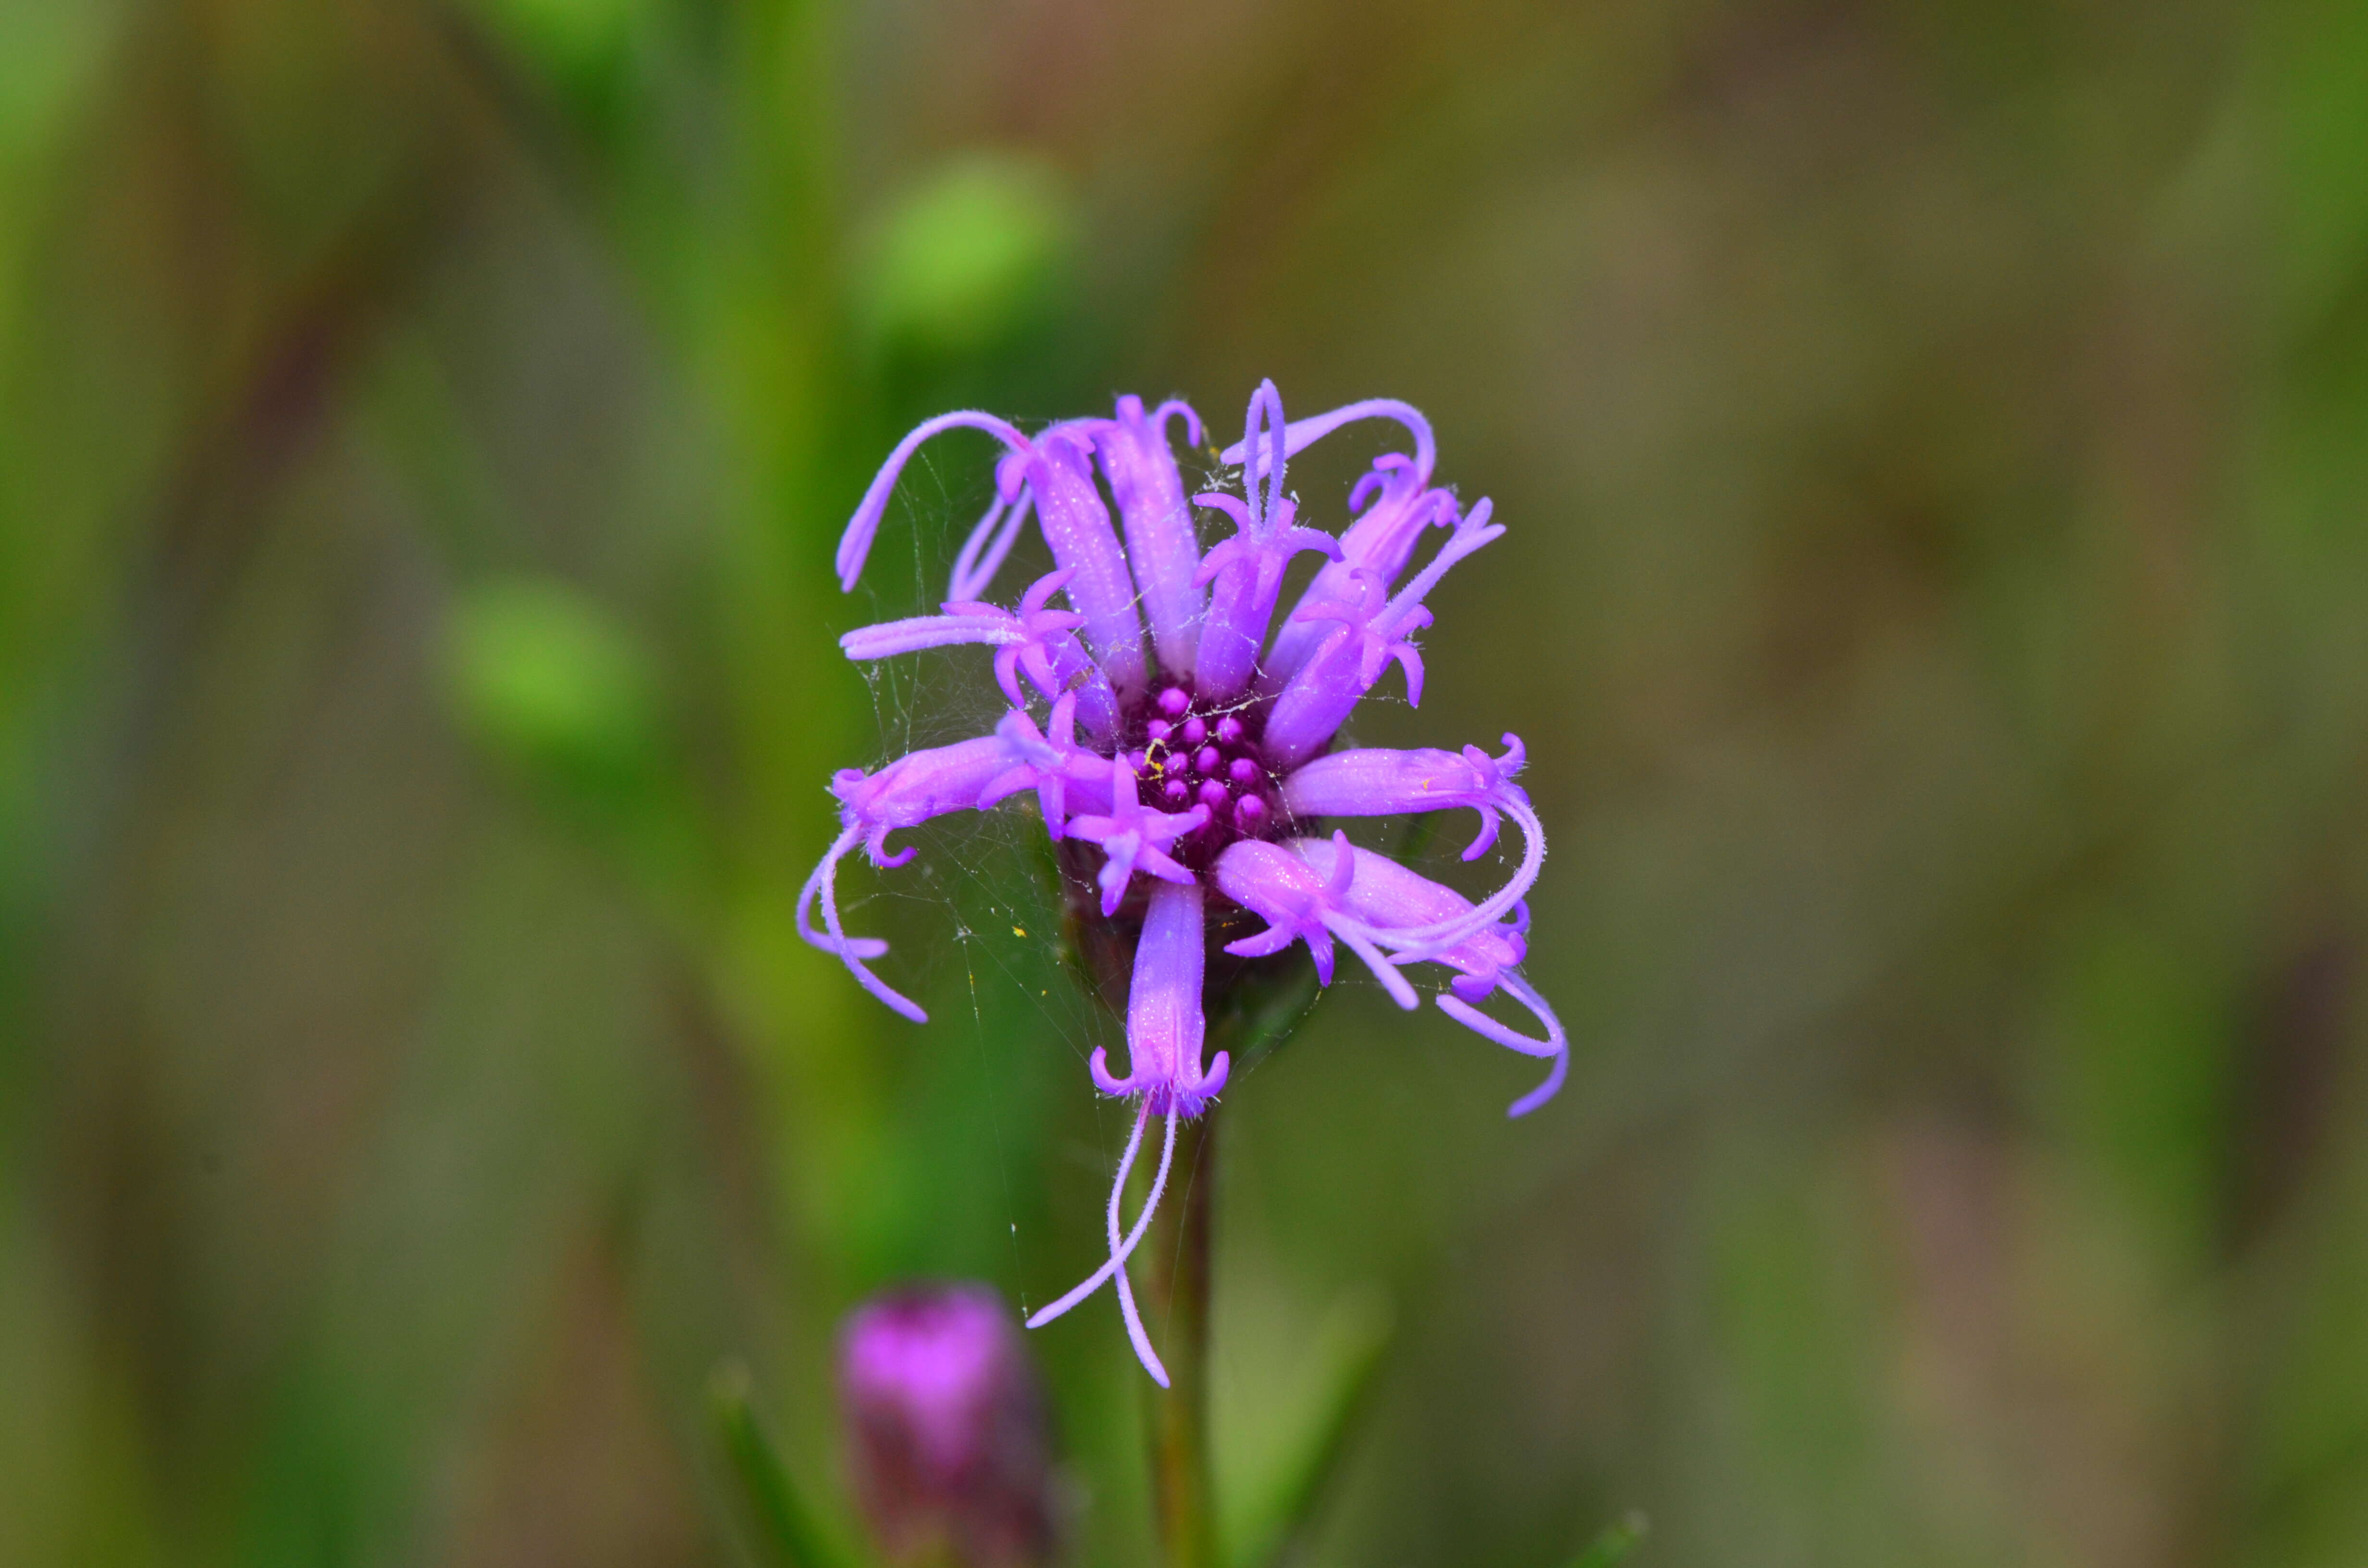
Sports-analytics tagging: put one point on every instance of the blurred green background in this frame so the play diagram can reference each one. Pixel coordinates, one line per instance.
(1935, 439)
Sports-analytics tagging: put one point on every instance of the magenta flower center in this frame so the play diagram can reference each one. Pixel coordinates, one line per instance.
(1187, 752)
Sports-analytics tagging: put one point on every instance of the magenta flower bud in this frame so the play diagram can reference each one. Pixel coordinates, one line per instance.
(945, 1426)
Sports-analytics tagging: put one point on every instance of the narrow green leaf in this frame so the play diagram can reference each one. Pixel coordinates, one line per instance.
(783, 1521)
(1613, 1545)
(1366, 1327)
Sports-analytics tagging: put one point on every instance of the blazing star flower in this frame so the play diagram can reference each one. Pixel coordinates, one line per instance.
(945, 1426)
(1195, 759)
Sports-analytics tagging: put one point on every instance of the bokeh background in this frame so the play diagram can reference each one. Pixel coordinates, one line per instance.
(1935, 441)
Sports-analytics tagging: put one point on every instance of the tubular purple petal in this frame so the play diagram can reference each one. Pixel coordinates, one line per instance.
(1301, 434)
(1075, 522)
(1164, 1033)
(822, 887)
(922, 784)
(1417, 918)
(856, 543)
(1161, 543)
(1317, 700)
(983, 553)
(909, 791)
(1163, 1023)
(1557, 1044)
(1375, 781)
(1310, 902)
(890, 638)
(1380, 541)
(1284, 890)
(1035, 638)
(1247, 569)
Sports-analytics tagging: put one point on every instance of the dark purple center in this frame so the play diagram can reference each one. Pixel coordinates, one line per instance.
(1186, 753)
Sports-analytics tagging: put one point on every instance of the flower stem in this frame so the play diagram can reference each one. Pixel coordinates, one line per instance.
(1179, 1425)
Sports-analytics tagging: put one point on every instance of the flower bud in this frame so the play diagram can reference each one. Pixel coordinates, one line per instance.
(945, 1428)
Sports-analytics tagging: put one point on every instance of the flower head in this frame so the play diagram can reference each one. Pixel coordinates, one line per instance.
(1185, 767)
(945, 1429)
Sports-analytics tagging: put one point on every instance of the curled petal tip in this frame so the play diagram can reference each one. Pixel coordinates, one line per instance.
(1098, 1066)
(1543, 1092)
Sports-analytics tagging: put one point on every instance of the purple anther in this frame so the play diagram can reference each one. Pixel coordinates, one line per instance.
(1214, 794)
(1229, 728)
(1177, 791)
(1196, 730)
(1174, 700)
(1159, 729)
(1206, 759)
(1141, 761)
(1249, 813)
(1243, 770)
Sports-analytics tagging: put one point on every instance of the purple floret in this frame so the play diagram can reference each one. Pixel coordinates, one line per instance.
(1183, 780)
(945, 1429)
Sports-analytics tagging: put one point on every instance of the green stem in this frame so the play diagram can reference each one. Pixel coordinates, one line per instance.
(1179, 1303)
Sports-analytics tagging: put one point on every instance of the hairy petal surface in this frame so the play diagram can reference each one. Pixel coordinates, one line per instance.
(1247, 570)
(1376, 781)
(1161, 543)
(1301, 434)
(1369, 634)
(1164, 1022)
(1391, 903)
(1069, 511)
(1379, 543)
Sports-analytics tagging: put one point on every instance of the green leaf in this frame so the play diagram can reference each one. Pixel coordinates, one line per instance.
(783, 1522)
(961, 261)
(1613, 1545)
(569, 38)
(544, 676)
(1361, 1330)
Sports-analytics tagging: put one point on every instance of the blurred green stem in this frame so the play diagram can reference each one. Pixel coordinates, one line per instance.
(1179, 1303)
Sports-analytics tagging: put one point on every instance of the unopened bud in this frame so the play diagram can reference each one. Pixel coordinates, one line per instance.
(945, 1426)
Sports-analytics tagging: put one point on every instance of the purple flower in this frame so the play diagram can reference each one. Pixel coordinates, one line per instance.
(945, 1429)
(1197, 769)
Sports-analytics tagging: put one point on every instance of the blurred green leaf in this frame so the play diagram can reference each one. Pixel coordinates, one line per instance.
(959, 261)
(1358, 1334)
(1613, 1545)
(2317, 65)
(783, 1520)
(47, 54)
(547, 678)
(2144, 1076)
(570, 39)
